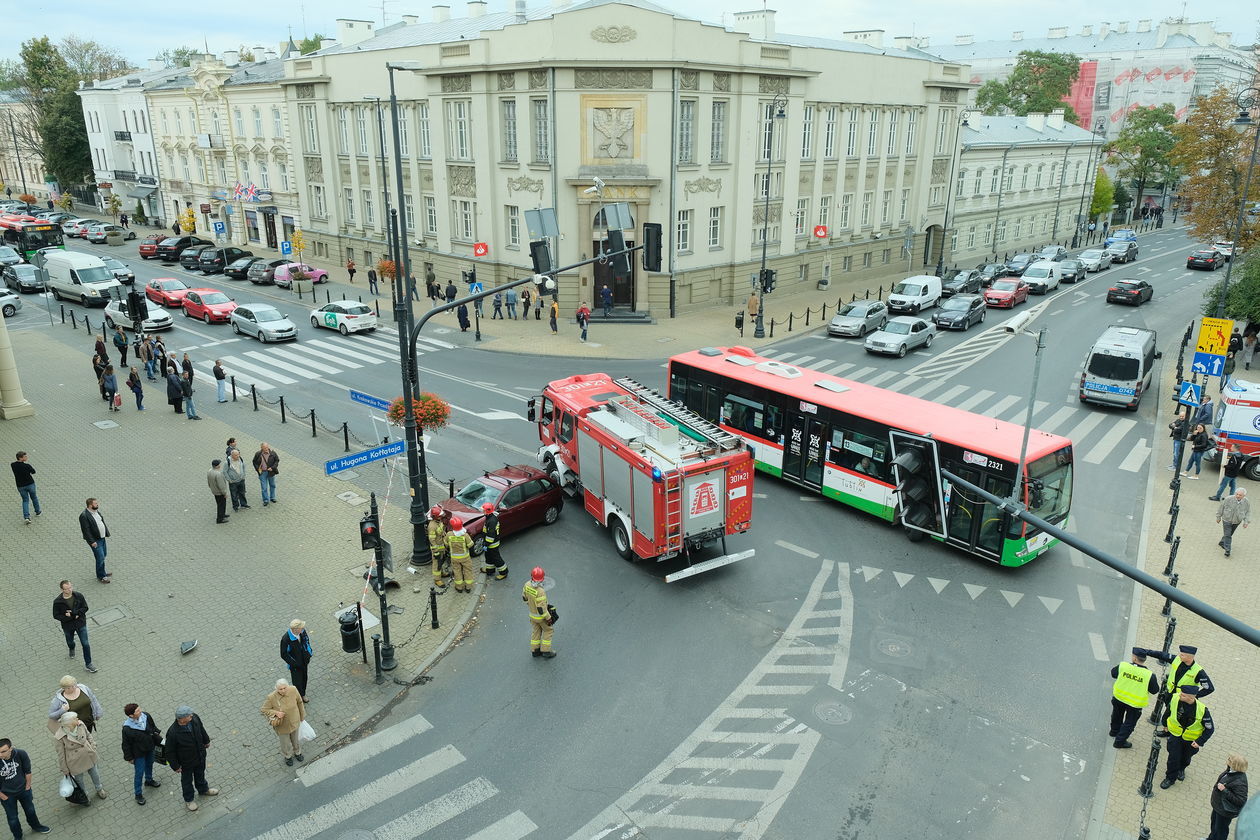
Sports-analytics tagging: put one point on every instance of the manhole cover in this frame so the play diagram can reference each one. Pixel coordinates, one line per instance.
(108, 615)
(105, 424)
(664, 339)
(351, 498)
(895, 648)
(833, 713)
(345, 475)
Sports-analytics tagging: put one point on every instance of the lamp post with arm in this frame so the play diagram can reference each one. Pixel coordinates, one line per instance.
(1088, 186)
(952, 196)
(1247, 100)
(773, 112)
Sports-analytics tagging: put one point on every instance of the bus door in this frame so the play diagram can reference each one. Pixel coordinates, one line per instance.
(803, 449)
(973, 522)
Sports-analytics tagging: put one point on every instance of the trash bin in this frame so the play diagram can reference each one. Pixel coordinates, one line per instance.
(301, 287)
(349, 630)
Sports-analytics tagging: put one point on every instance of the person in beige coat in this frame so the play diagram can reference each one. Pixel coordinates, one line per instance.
(76, 751)
(285, 711)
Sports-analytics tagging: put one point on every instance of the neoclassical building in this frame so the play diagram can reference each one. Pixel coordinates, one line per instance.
(503, 113)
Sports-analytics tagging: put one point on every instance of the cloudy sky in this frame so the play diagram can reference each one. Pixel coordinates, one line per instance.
(141, 28)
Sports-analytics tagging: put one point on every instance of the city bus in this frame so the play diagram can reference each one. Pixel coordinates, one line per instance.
(27, 234)
(837, 437)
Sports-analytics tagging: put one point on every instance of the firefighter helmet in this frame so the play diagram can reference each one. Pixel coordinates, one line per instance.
(538, 574)
(488, 507)
(435, 511)
(456, 523)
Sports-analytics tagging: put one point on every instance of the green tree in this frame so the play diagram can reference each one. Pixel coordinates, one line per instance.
(10, 74)
(1104, 195)
(139, 216)
(88, 60)
(309, 45)
(1243, 301)
(49, 92)
(113, 206)
(1038, 84)
(1142, 149)
(179, 56)
(1122, 197)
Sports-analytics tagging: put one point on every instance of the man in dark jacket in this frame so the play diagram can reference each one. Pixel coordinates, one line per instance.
(1229, 795)
(1233, 466)
(186, 745)
(186, 388)
(15, 788)
(70, 608)
(451, 291)
(295, 650)
(92, 526)
(24, 475)
(174, 391)
(140, 737)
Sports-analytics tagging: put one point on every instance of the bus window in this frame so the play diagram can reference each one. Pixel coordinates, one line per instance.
(566, 427)
(861, 453)
(1049, 486)
(713, 405)
(695, 396)
(751, 417)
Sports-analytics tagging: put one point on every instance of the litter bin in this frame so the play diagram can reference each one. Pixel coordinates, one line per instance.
(349, 630)
(301, 287)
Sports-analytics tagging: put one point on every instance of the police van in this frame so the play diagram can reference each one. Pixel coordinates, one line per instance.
(1118, 369)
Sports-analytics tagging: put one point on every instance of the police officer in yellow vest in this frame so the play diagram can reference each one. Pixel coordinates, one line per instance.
(437, 546)
(459, 546)
(540, 629)
(1189, 726)
(1185, 672)
(1133, 686)
(492, 564)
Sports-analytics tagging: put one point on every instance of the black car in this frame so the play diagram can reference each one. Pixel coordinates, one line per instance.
(962, 283)
(960, 312)
(213, 260)
(1135, 292)
(22, 278)
(238, 269)
(990, 272)
(1071, 270)
(190, 258)
(1016, 265)
(263, 272)
(170, 249)
(1123, 251)
(1204, 258)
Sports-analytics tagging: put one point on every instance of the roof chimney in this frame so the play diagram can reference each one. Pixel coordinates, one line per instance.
(1087, 30)
(441, 13)
(325, 43)
(351, 31)
(1103, 29)
(410, 20)
(1057, 32)
(520, 11)
(267, 54)
(476, 8)
(1017, 35)
(1054, 120)
(157, 64)
(1036, 121)
(758, 23)
(1122, 27)
(1143, 26)
(908, 42)
(964, 40)
(231, 58)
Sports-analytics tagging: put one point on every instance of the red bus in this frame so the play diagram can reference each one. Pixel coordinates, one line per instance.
(27, 234)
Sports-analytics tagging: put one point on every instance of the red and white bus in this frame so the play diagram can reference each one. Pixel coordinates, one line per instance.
(27, 234)
(838, 437)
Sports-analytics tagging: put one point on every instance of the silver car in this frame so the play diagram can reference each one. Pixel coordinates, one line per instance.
(858, 318)
(8, 256)
(116, 314)
(122, 272)
(10, 303)
(263, 321)
(1095, 259)
(901, 335)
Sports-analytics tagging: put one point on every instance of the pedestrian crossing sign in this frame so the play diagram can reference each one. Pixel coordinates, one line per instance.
(1190, 394)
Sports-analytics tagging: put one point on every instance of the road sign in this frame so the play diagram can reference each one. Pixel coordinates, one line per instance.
(205, 208)
(480, 249)
(369, 400)
(358, 459)
(220, 227)
(1214, 335)
(820, 231)
(286, 247)
(1210, 364)
(1190, 394)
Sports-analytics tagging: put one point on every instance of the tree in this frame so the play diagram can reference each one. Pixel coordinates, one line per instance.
(1216, 156)
(1122, 198)
(139, 216)
(10, 74)
(247, 54)
(28, 198)
(1104, 195)
(188, 220)
(88, 60)
(1243, 301)
(66, 201)
(309, 45)
(113, 206)
(298, 242)
(179, 56)
(1038, 84)
(1142, 148)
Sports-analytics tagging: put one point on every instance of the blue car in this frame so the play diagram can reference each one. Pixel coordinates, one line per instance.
(1121, 235)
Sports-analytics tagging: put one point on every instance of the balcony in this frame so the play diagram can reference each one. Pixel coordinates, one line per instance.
(124, 175)
(123, 135)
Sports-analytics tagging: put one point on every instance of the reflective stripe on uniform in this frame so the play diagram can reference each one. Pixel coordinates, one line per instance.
(1194, 730)
(1132, 685)
(1190, 677)
(459, 545)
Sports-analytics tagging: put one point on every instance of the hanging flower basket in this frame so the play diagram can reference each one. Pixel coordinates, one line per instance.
(387, 269)
(431, 411)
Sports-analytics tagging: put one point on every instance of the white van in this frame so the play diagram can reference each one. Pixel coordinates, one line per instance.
(915, 293)
(80, 277)
(1118, 367)
(1043, 276)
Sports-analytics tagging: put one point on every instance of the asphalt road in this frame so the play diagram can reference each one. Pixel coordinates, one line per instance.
(843, 683)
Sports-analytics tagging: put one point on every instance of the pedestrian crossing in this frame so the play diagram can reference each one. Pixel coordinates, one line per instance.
(269, 366)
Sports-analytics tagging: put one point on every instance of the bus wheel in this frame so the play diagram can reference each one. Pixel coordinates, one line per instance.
(914, 535)
(1252, 469)
(621, 541)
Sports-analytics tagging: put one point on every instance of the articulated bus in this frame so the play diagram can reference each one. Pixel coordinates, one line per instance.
(836, 437)
(26, 234)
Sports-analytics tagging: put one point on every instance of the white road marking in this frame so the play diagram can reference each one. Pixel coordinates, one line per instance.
(1057, 419)
(1000, 406)
(1137, 456)
(974, 590)
(1103, 448)
(1084, 427)
(338, 350)
(512, 827)
(432, 814)
(883, 377)
(860, 375)
(1051, 604)
(903, 578)
(267, 358)
(235, 362)
(1086, 596)
(804, 360)
(1012, 598)
(336, 763)
(938, 584)
(974, 400)
(870, 573)
(378, 353)
(812, 555)
(924, 390)
(302, 355)
(953, 393)
(1100, 648)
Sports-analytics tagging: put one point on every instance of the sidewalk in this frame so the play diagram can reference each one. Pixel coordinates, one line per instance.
(177, 577)
(1230, 584)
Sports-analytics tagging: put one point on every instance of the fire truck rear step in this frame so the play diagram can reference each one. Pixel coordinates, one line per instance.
(707, 565)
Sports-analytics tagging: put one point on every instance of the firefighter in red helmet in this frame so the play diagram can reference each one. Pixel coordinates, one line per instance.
(492, 562)
(437, 546)
(459, 547)
(540, 620)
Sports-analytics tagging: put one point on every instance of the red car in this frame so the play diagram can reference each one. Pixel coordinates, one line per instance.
(148, 245)
(210, 305)
(166, 291)
(1006, 292)
(522, 495)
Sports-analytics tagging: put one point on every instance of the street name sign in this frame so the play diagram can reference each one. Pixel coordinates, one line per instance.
(369, 400)
(358, 459)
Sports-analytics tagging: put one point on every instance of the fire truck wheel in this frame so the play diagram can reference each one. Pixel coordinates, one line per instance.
(621, 540)
(552, 514)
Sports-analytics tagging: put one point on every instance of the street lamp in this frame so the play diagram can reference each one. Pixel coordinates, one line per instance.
(774, 111)
(380, 133)
(1091, 176)
(1247, 100)
(1016, 326)
(952, 196)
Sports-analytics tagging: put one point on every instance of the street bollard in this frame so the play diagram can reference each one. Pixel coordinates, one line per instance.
(1147, 788)
(1169, 631)
(74, 321)
(1172, 525)
(378, 307)
(807, 315)
(772, 328)
(1172, 556)
(313, 434)
(433, 607)
(283, 419)
(1175, 487)
(233, 387)
(62, 307)
(87, 325)
(791, 315)
(450, 486)
(824, 312)
(253, 390)
(1167, 610)
(327, 295)
(345, 435)
(376, 656)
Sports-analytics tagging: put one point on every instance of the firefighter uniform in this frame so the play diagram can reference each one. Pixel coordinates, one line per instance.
(459, 546)
(1189, 727)
(492, 562)
(1132, 688)
(437, 547)
(540, 629)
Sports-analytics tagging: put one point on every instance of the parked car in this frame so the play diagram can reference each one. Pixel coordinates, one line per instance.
(213, 260)
(122, 272)
(166, 291)
(149, 245)
(190, 257)
(522, 496)
(156, 318)
(1225, 248)
(858, 318)
(960, 312)
(210, 305)
(1015, 265)
(901, 335)
(1095, 259)
(964, 282)
(1135, 292)
(22, 278)
(284, 273)
(100, 233)
(170, 248)
(10, 303)
(1053, 253)
(239, 268)
(9, 256)
(1071, 270)
(81, 226)
(1120, 235)
(1006, 293)
(70, 227)
(1205, 258)
(58, 216)
(990, 272)
(262, 273)
(345, 316)
(262, 321)
(1123, 251)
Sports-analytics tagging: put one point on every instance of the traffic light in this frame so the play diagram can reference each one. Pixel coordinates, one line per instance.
(137, 308)
(544, 284)
(370, 532)
(651, 246)
(540, 255)
(919, 491)
(739, 320)
(768, 278)
(615, 243)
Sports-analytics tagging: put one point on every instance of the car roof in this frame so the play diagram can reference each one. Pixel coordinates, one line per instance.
(204, 289)
(257, 307)
(905, 319)
(347, 301)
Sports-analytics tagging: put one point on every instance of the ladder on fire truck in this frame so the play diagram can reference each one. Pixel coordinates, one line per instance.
(712, 434)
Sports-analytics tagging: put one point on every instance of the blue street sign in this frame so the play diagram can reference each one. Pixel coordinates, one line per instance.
(286, 247)
(220, 227)
(1208, 363)
(1190, 395)
(358, 459)
(369, 400)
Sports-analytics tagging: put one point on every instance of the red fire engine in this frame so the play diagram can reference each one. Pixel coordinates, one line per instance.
(662, 479)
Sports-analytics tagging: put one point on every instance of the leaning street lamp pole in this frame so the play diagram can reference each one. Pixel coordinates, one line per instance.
(1247, 100)
(952, 196)
(380, 133)
(1091, 176)
(775, 112)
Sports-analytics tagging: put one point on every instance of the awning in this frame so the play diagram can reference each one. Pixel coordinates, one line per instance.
(141, 191)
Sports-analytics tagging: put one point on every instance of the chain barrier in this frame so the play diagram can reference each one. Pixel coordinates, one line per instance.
(335, 431)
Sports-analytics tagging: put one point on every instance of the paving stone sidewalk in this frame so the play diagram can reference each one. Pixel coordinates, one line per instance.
(177, 577)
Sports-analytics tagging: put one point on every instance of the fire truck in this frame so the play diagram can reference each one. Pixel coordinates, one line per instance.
(664, 481)
(1238, 424)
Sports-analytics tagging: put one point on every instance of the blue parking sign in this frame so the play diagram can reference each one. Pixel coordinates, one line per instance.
(286, 247)
(220, 227)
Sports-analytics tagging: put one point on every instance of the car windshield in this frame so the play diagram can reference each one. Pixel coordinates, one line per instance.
(6, 252)
(1036, 272)
(24, 270)
(1050, 486)
(1126, 287)
(113, 263)
(214, 297)
(170, 240)
(1205, 253)
(1020, 259)
(897, 328)
(857, 310)
(268, 315)
(956, 304)
(476, 494)
(1003, 286)
(241, 262)
(96, 274)
(904, 288)
(1091, 255)
(1070, 264)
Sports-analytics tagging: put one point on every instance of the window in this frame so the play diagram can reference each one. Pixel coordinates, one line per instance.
(348, 197)
(1076, 179)
(1023, 180)
(824, 210)
(936, 195)
(277, 124)
(866, 260)
(409, 209)
(868, 198)
(953, 241)
(971, 236)
(310, 129)
(1019, 228)
(343, 130)
(885, 215)
(846, 264)
(802, 216)
(369, 212)
(221, 166)
(513, 225)
(183, 165)
(426, 140)
(166, 128)
(717, 132)
(859, 453)
(893, 119)
(767, 131)
(1054, 174)
(238, 122)
(244, 170)
(995, 179)
(988, 234)
(192, 120)
(540, 113)
(682, 235)
(216, 122)
(942, 129)
(284, 176)
(851, 142)
(404, 131)
(264, 176)
(962, 178)
(430, 215)
(318, 207)
(687, 131)
(912, 119)
(462, 216)
(905, 205)
(846, 205)
(885, 256)
(807, 132)
(458, 138)
(258, 130)
(1000, 232)
(829, 132)
(179, 122)
(361, 130)
(975, 186)
(715, 227)
(1007, 178)
(872, 134)
(507, 120)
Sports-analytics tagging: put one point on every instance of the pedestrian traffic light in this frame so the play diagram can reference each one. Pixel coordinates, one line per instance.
(739, 320)
(370, 532)
(615, 246)
(540, 255)
(768, 278)
(137, 308)
(651, 246)
(917, 471)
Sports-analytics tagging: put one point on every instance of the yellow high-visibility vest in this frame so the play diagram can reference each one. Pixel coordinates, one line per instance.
(1132, 685)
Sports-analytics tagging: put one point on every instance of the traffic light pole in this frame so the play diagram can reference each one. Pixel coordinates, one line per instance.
(388, 663)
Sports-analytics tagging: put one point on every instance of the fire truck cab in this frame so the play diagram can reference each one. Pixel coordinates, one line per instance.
(662, 479)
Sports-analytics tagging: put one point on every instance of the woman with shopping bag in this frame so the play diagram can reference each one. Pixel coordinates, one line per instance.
(76, 755)
(286, 713)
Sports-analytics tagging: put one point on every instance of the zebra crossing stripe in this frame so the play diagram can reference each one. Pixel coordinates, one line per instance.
(302, 358)
(1057, 419)
(334, 764)
(235, 362)
(974, 400)
(883, 377)
(336, 349)
(931, 386)
(1103, 448)
(1084, 427)
(1000, 406)
(304, 350)
(860, 375)
(951, 395)
(271, 360)
(803, 360)
(432, 814)
(512, 827)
